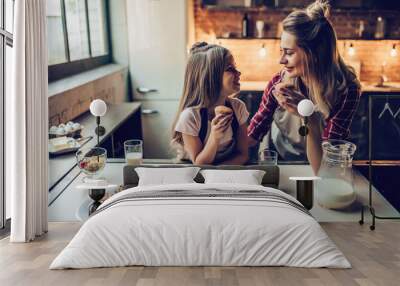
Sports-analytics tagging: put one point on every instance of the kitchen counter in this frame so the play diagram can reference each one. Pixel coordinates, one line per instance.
(73, 202)
(387, 87)
(366, 86)
(117, 114)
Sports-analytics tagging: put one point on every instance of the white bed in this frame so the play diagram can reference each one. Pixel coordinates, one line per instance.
(185, 230)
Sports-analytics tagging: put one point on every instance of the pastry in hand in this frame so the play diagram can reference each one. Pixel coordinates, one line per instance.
(222, 109)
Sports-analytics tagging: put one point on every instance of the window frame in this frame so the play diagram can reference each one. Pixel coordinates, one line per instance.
(69, 68)
(6, 39)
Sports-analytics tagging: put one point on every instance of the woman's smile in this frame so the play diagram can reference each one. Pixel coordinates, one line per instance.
(289, 69)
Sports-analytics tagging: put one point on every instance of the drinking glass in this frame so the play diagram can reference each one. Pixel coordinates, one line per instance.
(268, 157)
(133, 152)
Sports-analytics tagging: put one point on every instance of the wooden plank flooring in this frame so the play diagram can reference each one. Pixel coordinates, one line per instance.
(375, 257)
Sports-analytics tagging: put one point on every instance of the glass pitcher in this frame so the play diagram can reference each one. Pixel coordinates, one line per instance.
(335, 190)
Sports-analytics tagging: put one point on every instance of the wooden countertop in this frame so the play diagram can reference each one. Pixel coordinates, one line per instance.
(366, 86)
(116, 114)
(387, 87)
(253, 85)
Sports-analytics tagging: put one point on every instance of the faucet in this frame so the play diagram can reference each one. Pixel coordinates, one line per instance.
(382, 77)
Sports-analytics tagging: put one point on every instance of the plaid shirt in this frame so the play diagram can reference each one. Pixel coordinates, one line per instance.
(337, 124)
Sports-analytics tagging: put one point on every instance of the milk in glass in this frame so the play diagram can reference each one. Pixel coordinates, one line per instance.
(134, 158)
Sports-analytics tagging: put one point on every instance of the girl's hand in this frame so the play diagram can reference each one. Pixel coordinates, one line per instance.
(234, 95)
(219, 125)
(288, 97)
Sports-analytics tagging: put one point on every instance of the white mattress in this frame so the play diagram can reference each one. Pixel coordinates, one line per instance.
(200, 231)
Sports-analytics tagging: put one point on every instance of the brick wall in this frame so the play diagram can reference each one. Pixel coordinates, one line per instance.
(212, 24)
(369, 55)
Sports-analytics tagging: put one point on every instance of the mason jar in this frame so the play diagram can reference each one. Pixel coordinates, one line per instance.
(335, 189)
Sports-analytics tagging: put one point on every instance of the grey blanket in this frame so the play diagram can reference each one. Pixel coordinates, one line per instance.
(205, 194)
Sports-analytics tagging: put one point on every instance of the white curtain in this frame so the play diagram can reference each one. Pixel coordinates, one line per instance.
(27, 123)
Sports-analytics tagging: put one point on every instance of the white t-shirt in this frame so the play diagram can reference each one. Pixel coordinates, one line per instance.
(189, 123)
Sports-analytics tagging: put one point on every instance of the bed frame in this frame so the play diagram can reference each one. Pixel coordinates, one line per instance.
(270, 179)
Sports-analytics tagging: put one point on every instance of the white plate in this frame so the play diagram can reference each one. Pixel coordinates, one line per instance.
(68, 134)
(73, 146)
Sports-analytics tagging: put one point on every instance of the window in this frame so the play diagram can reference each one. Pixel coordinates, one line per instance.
(78, 30)
(76, 18)
(97, 26)
(6, 43)
(56, 47)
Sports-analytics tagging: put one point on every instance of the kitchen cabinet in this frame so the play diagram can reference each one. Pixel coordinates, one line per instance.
(157, 40)
(382, 166)
(157, 119)
(385, 127)
(252, 99)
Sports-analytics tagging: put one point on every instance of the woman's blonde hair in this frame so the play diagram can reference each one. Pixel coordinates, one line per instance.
(203, 79)
(324, 70)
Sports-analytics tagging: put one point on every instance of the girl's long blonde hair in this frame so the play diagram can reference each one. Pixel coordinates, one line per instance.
(324, 70)
(203, 80)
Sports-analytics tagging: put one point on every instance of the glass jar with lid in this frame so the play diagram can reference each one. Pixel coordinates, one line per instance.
(335, 189)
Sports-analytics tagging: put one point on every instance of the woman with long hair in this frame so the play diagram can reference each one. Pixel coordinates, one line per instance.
(313, 69)
(210, 126)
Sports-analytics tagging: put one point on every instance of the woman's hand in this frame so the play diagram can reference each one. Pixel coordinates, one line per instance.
(219, 125)
(288, 97)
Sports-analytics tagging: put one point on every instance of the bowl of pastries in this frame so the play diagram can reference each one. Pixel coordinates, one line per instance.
(70, 129)
(91, 160)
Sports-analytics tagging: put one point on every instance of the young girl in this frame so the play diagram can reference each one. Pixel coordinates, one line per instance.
(207, 134)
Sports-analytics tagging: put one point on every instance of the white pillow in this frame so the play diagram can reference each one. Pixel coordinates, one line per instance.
(248, 177)
(164, 176)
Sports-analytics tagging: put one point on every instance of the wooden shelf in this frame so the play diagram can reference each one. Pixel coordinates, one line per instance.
(241, 9)
(376, 163)
(247, 38)
(264, 8)
(278, 38)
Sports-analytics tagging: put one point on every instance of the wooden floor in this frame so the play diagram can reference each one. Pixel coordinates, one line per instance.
(375, 257)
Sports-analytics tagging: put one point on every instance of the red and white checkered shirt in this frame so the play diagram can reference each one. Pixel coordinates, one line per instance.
(337, 124)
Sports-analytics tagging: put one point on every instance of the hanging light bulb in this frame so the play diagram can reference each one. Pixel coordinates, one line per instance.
(393, 51)
(352, 50)
(262, 52)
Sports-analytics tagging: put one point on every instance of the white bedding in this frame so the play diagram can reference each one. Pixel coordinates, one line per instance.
(200, 231)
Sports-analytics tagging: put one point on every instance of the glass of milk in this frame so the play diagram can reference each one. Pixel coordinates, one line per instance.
(133, 152)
